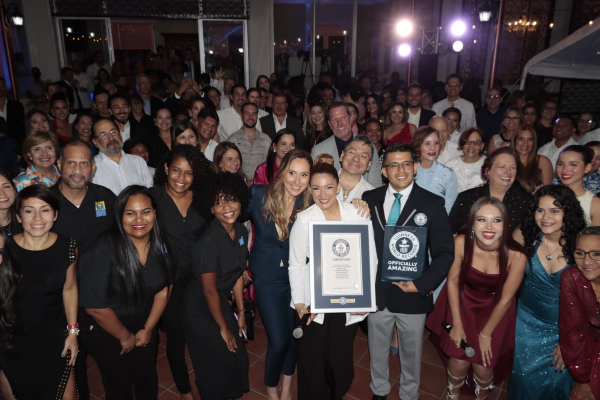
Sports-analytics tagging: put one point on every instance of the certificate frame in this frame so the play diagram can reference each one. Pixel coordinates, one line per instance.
(359, 298)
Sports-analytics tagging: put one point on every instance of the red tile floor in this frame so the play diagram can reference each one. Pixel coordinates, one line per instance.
(433, 375)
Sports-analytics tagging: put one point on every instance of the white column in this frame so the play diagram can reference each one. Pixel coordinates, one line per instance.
(41, 38)
(260, 39)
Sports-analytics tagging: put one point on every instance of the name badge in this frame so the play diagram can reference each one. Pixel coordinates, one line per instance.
(100, 209)
(242, 241)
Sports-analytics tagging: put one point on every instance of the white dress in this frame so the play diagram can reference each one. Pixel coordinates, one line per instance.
(586, 204)
(468, 175)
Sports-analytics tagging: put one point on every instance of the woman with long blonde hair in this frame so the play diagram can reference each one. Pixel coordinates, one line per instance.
(534, 170)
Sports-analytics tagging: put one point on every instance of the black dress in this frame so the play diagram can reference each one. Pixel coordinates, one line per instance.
(37, 371)
(220, 374)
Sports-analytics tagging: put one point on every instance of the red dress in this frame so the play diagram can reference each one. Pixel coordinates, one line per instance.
(579, 324)
(403, 136)
(476, 306)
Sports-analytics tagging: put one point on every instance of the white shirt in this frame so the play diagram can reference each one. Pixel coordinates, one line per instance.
(126, 134)
(225, 103)
(209, 152)
(261, 113)
(590, 137)
(450, 151)
(454, 137)
(552, 152)
(217, 83)
(279, 126)
(299, 269)
(356, 192)
(414, 118)
(466, 109)
(390, 199)
(229, 122)
(467, 175)
(84, 81)
(131, 170)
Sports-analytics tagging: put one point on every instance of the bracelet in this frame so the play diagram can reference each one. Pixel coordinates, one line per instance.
(485, 337)
(239, 311)
(74, 331)
(74, 326)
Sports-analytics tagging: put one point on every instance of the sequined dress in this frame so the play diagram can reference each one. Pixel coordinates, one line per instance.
(536, 336)
(37, 371)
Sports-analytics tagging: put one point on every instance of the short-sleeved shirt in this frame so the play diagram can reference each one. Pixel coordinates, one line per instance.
(214, 251)
(181, 231)
(90, 220)
(253, 154)
(99, 282)
(131, 170)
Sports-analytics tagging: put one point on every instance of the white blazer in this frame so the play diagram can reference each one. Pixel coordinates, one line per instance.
(300, 250)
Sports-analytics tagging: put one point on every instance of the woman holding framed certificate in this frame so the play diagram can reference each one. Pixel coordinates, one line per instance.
(325, 364)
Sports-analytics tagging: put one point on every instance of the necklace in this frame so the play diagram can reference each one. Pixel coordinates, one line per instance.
(549, 255)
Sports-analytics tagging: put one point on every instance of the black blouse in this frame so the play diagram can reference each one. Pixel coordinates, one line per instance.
(100, 287)
(516, 201)
(181, 231)
(214, 251)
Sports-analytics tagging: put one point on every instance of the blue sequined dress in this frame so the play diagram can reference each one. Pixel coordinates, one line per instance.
(536, 336)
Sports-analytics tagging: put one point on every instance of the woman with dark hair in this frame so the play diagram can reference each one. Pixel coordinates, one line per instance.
(317, 128)
(48, 304)
(325, 360)
(591, 181)
(227, 158)
(219, 256)
(548, 233)
(40, 151)
(579, 322)
(195, 105)
(478, 299)
(125, 282)
(573, 163)
(101, 78)
(373, 128)
(534, 170)
(283, 142)
(468, 166)
(374, 109)
(454, 117)
(8, 193)
(37, 120)
(545, 122)
(529, 114)
(354, 113)
(159, 143)
(500, 171)
(178, 180)
(138, 114)
(184, 132)
(59, 107)
(82, 129)
(512, 123)
(397, 127)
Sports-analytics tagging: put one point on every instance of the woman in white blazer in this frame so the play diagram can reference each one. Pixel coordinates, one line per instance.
(325, 363)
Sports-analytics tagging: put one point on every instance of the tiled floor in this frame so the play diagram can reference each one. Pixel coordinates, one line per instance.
(433, 376)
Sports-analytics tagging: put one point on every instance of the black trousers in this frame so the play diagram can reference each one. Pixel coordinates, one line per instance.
(171, 325)
(325, 359)
(122, 375)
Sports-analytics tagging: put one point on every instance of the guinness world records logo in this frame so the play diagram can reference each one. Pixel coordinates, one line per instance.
(341, 248)
(404, 245)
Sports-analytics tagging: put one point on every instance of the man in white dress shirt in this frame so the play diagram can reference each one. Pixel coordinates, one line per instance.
(356, 159)
(253, 96)
(448, 149)
(92, 70)
(228, 84)
(116, 170)
(231, 118)
(82, 81)
(453, 89)
(563, 130)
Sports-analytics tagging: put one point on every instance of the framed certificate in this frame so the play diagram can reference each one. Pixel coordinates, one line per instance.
(340, 267)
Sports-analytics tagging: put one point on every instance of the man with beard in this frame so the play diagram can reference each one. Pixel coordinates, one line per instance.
(271, 124)
(86, 213)
(253, 144)
(119, 108)
(416, 115)
(231, 118)
(115, 169)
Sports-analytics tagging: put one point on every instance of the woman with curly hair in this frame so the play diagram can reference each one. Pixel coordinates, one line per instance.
(177, 181)
(548, 232)
(214, 338)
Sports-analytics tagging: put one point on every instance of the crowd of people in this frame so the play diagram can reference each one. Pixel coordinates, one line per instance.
(176, 200)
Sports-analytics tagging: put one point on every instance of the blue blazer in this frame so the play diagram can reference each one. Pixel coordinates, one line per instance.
(267, 252)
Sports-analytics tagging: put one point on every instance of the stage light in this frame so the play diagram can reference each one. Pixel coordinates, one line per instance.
(551, 25)
(345, 33)
(285, 42)
(458, 28)
(241, 50)
(404, 50)
(404, 28)
(457, 46)
(299, 40)
(485, 16)
(92, 34)
(17, 19)
(69, 30)
(590, 23)
(318, 37)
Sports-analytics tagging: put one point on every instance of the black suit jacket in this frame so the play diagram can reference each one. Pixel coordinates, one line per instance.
(268, 127)
(15, 124)
(440, 244)
(426, 115)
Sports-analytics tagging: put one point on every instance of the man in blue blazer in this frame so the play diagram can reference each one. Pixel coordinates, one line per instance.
(405, 304)
(341, 126)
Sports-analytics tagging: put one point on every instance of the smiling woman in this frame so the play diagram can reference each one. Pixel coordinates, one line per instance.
(40, 150)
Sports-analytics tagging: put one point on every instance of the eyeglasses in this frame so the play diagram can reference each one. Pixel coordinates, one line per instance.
(453, 85)
(580, 254)
(495, 96)
(473, 143)
(589, 121)
(512, 118)
(104, 135)
(394, 166)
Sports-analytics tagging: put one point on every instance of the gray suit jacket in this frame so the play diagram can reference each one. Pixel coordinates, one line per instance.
(328, 146)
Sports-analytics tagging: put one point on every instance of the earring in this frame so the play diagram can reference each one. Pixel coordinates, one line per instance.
(472, 233)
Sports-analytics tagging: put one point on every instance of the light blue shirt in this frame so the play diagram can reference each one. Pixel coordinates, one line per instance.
(147, 107)
(439, 180)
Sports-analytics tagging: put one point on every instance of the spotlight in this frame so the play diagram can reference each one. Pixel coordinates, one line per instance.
(241, 50)
(458, 28)
(457, 46)
(299, 40)
(345, 33)
(551, 25)
(92, 34)
(285, 42)
(590, 23)
(404, 50)
(69, 30)
(404, 28)
(17, 19)
(318, 37)
(485, 16)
